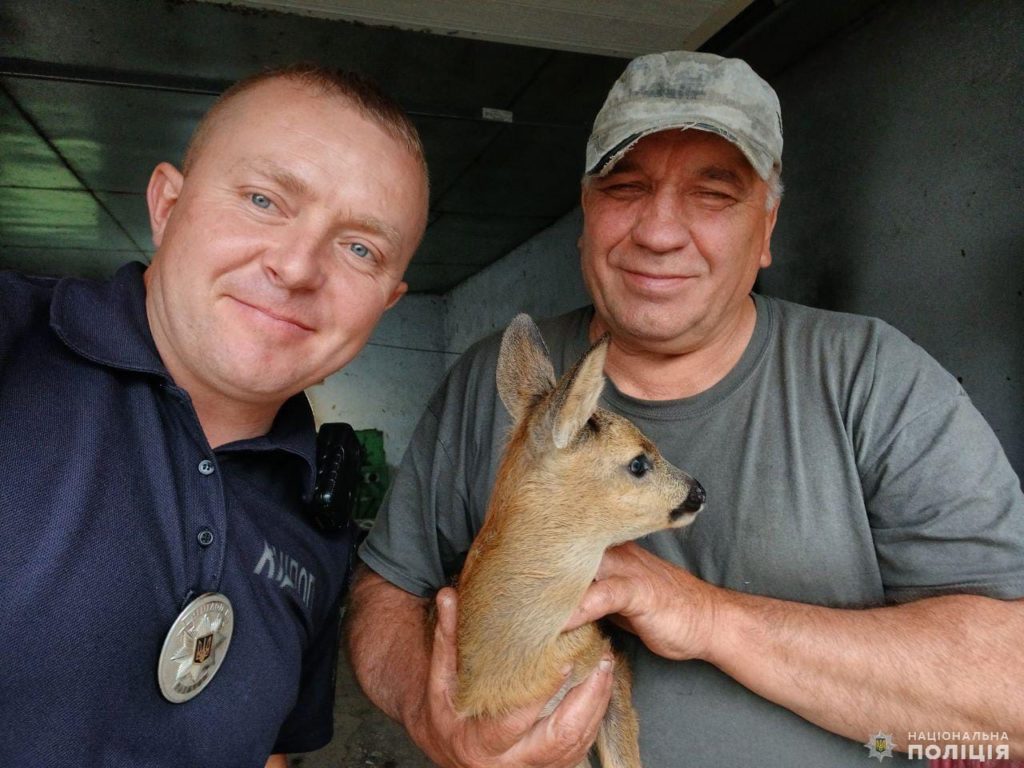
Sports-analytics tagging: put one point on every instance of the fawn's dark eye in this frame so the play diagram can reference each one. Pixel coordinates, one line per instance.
(639, 466)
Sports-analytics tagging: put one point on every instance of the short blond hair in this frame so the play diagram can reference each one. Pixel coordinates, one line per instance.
(360, 91)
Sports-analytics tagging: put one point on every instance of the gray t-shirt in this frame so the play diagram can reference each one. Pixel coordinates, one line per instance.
(843, 467)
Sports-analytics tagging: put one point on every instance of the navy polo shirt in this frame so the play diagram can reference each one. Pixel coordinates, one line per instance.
(114, 513)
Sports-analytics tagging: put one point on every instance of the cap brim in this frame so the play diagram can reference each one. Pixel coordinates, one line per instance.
(761, 162)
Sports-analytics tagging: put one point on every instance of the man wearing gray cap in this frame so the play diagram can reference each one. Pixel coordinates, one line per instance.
(861, 519)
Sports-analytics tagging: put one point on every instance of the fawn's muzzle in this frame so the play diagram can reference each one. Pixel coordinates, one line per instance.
(693, 502)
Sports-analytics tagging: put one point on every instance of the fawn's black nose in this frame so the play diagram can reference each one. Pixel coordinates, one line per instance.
(692, 503)
(695, 498)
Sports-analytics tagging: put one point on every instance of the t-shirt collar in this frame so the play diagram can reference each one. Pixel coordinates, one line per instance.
(695, 405)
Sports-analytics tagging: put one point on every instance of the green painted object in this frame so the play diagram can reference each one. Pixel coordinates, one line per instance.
(375, 475)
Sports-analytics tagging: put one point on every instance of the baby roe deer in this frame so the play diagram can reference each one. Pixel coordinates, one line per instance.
(574, 480)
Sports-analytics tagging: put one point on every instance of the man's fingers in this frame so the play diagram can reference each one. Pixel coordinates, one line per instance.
(444, 669)
(567, 734)
(584, 706)
(600, 599)
(614, 590)
(616, 558)
(561, 739)
(447, 612)
(503, 733)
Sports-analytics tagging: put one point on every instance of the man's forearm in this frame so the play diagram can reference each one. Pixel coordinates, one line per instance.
(941, 664)
(388, 645)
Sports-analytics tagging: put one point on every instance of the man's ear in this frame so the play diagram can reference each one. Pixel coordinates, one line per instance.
(161, 195)
(766, 249)
(584, 192)
(398, 293)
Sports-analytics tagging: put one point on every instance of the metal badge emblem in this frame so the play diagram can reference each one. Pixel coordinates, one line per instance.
(195, 647)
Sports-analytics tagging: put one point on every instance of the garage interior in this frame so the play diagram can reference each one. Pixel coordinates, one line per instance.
(903, 165)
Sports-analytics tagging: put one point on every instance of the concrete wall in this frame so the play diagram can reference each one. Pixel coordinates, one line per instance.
(540, 277)
(903, 165)
(390, 381)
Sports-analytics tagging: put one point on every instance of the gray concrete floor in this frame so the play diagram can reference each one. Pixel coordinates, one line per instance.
(363, 736)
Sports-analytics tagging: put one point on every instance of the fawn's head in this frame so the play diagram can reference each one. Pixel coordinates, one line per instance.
(591, 468)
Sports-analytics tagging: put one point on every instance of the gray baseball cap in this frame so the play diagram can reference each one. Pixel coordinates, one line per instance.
(683, 89)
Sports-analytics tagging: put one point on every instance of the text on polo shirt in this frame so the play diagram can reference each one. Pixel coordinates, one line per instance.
(286, 571)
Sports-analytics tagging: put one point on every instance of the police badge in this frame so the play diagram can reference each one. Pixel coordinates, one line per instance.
(195, 647)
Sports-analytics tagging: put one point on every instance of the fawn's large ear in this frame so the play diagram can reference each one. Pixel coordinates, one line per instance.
(579, 390)
(524, 372)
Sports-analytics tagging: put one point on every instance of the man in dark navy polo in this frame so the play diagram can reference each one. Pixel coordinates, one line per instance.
(164, 599)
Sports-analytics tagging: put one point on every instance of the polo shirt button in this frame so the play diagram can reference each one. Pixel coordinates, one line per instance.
(205, 537)
(206, 467)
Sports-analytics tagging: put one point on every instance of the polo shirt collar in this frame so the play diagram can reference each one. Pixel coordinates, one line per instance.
(106, 322)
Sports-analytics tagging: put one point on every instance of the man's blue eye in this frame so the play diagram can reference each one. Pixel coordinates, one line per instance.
(360, 250)
(260, 201)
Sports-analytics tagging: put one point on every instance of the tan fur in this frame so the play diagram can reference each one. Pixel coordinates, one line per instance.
(563, 494)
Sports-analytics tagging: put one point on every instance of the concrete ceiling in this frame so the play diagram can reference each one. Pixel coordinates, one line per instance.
(604, 27)
(94, 93)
